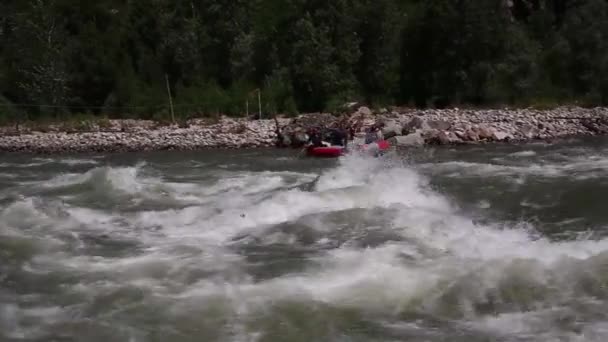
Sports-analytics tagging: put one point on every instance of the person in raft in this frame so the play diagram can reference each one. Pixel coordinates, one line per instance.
(338, 137)
(373, 135)
(314, 138)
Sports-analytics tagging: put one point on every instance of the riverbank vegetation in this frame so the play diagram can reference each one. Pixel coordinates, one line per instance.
(110, 58)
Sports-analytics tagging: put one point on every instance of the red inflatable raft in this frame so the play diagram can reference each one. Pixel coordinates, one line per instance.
(337, 151)
(325, 151)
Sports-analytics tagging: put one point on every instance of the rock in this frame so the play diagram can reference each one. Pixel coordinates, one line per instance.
(484, 132)
(439, 125)
(453, 138)
(392, 128)
(471, 135)
(429, 134)
(529, 131)
(299, 139)
(364, 111)
(444, 138)
(311, 120)
(437, 137)
(596, 126)
(415, 124)
(501, 136)
(460, 134)
(411, 140)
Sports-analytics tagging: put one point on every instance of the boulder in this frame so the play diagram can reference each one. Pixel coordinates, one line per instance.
(299, 138)
(364, 111)
(429, 134)
(439, 125)
(410, 140)
(453, 138)
(415, 124)
(391, 128)
(460, 134)
(501, 136)
(471, 135)
(484, 132)
(529, 131)
(443, 138)
(596, 126)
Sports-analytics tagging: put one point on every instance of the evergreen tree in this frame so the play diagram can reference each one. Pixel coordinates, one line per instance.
(112, 56)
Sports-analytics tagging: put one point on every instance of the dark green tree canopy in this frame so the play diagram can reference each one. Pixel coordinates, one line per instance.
(113, 56)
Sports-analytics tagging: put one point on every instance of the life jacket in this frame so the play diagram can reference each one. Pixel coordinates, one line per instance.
(315, 139)
(336, 137)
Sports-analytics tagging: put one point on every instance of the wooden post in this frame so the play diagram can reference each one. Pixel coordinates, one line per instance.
(170, 98)
(247, 106)
(260, 104)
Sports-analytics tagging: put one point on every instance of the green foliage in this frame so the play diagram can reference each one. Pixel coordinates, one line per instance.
(110, 58)
(278, 95)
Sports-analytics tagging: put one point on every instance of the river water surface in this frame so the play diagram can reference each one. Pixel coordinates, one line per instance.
(494, 243)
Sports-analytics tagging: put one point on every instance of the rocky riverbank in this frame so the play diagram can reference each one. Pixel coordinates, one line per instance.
(407, 127)
(140, 135)
(404, 127)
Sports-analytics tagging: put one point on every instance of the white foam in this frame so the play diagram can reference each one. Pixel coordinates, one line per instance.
(523, 154)
(35, 162)
(7, 175)
(256, 182)
(234, 214)
(446, 251)
(120, 178)
(442, 246)
(581, 168)
(467, 169)
(71, 161)
(30, 213)
(442, 253)
(522, 324)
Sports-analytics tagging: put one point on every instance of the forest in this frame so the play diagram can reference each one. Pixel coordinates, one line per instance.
(120, 58)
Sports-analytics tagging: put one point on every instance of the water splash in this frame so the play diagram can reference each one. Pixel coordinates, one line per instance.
(371, 241)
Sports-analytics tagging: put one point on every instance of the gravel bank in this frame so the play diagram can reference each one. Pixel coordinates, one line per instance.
(405, 127)
(140, 135)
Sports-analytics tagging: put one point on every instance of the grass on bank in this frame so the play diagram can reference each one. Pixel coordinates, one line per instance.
(62, 120)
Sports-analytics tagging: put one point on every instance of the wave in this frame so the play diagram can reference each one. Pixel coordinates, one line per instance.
(37, 162)
(523, 154)
(144, 187)
(367, 236)
(580, 168)
(117, 178)
(6, 175)
(444, 265)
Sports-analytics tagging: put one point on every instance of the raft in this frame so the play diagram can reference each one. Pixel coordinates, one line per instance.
(325, 151)
(337, 151)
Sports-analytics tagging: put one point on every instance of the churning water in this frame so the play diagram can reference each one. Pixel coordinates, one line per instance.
(474, 244)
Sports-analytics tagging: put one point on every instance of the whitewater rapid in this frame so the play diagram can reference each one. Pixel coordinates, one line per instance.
(357, 249)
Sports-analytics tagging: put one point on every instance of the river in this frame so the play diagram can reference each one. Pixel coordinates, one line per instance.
(486, 243)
